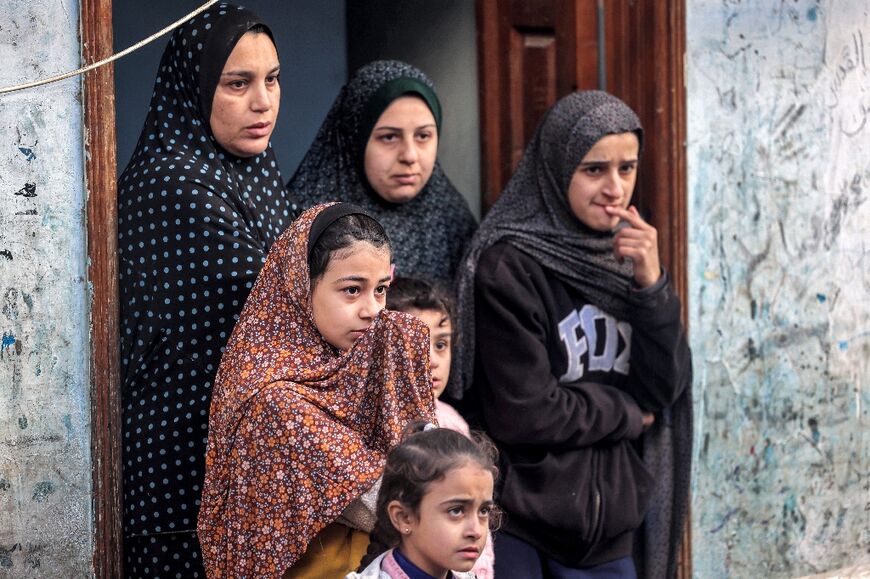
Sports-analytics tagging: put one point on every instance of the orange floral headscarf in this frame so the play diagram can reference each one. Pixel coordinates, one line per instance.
(299, 430)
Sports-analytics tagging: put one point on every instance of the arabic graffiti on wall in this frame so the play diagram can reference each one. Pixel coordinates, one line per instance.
(779, 177)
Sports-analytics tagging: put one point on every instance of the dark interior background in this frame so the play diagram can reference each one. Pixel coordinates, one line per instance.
(321, 42)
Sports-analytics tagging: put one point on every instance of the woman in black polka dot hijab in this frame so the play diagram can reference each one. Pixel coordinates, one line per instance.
(200, 203)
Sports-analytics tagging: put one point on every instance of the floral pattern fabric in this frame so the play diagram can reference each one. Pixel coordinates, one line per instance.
(298, 429)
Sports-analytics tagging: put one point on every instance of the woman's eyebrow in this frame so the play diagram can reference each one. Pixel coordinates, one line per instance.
(248, 73)
(606, 161)
(388, 128)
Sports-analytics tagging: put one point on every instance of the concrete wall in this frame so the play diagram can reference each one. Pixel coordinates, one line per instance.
(45, 464)
(779, 169)
(440, 39)
(310, 35)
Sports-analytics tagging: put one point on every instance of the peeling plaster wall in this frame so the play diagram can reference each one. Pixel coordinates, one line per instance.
(779, 175)
(45, 463)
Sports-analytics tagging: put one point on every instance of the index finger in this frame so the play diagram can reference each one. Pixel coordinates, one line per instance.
(631, 216)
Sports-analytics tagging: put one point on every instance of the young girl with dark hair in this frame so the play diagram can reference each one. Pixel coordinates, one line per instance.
(316, 385)
(434, 507)
(431, 302)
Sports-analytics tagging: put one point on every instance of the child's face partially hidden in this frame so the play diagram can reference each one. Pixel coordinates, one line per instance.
(440, 346)
(449, 532)
(350, 293)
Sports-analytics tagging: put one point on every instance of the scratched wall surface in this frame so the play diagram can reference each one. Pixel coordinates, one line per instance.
(45, 463)
(779, 175)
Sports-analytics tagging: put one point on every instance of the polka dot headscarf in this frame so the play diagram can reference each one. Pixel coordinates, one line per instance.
(194, 226)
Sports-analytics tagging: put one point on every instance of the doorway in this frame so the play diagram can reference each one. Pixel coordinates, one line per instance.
(528, 54)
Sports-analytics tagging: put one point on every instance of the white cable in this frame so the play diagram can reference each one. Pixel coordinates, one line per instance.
(112, 58)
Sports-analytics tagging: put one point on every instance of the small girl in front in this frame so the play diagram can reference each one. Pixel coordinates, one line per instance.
(317, 384)
(430, 302)
(434, 507)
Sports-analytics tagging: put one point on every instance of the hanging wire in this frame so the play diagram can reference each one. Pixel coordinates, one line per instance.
(112, 58)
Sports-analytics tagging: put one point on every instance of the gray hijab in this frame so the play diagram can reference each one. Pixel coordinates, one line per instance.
(429, 233)
(533, 215)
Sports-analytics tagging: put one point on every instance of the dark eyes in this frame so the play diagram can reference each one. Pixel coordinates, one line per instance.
(393, 137)
(241, 83)
(442, 345)
(459, 510)
(594, 170)
(354, 291)
(490, 513)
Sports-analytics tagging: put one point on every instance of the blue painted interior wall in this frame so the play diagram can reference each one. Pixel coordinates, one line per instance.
(310, 35)
(779, 265)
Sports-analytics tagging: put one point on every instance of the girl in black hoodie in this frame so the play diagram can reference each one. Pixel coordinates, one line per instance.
(581, 365)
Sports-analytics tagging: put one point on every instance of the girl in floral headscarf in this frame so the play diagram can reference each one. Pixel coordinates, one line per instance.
(316, 385)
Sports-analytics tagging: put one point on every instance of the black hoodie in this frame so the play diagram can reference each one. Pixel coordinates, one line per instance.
(562, 387)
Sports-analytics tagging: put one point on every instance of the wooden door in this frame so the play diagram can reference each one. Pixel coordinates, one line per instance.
(532, 52)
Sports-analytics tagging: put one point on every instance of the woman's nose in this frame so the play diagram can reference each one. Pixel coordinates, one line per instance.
(408, 154)
(260, 100)
(613, 187)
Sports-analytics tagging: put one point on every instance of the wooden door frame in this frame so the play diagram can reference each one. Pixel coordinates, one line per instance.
(102, 223)
(660, 28)
(654, 86)
(649, 75)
